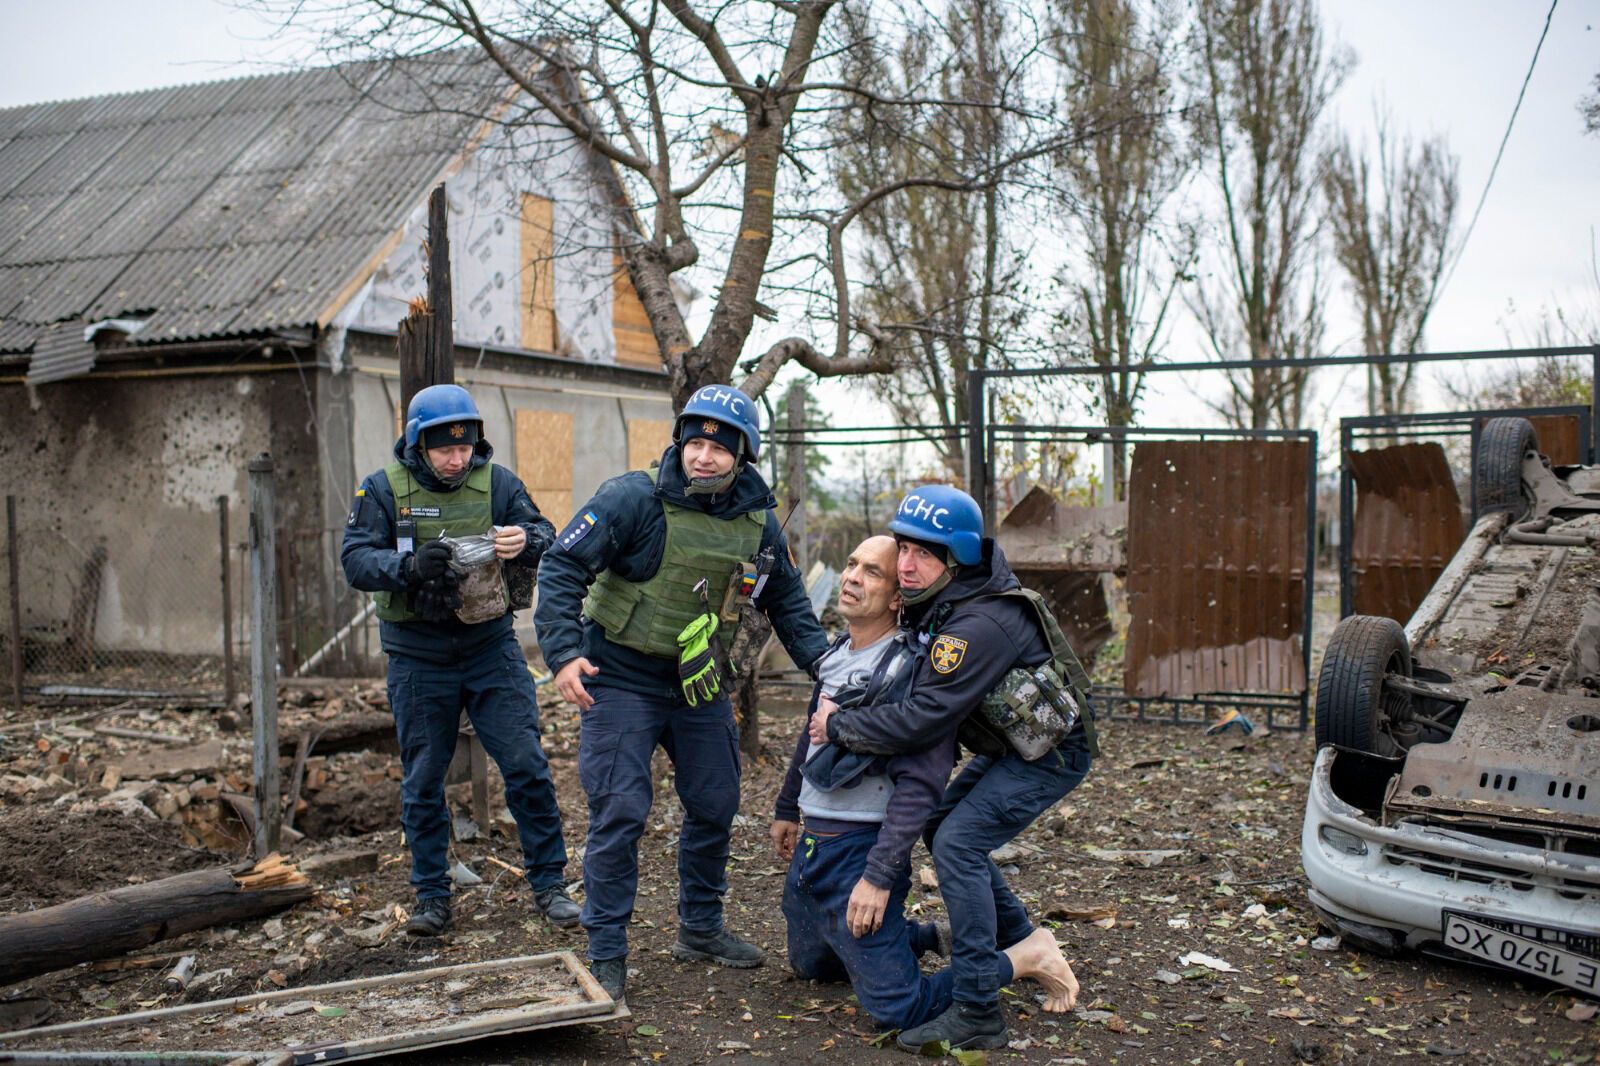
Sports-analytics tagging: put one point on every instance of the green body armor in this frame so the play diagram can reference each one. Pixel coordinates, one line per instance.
(466, 511)
(648, 615)
(1033, 703)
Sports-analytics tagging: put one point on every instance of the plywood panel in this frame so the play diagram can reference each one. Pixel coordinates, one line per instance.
(544, 461)
(1216, 567)
(636, 344)
(538, 274)
(647, 439)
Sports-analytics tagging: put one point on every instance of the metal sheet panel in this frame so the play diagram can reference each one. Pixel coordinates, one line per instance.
(1078, 600)
(60, 353)
(1559, 438)
(1216, 567)
(1407, 526)
(1042, 533)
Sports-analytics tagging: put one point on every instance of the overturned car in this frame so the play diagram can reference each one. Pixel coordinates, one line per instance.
(1454, 805)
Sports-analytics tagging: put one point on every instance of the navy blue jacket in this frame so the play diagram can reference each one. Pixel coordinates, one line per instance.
(984, 636)
(627, 536)
(919, 780)
(372, 563)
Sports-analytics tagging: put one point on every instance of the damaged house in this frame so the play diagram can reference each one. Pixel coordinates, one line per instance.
(192, 276)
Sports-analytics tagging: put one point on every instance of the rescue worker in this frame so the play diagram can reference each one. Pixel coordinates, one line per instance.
(844, 898)
(976, 625)
(442, 483)
(637, 657)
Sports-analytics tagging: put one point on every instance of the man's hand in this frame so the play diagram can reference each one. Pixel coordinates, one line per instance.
(819, 720)
(509, 541)
(785, 835)
(864, 913)
(430, 561)
(569, 682)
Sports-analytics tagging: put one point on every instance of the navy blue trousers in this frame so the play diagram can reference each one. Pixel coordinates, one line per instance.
(620, 733)
(990, 802)
(882, 966)
(497, 692)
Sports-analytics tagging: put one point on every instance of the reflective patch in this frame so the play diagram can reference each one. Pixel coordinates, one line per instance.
(423, 512)
(947, 653)
(577, 529)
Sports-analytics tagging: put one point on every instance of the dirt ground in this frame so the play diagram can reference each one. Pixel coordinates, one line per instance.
(1215, 820)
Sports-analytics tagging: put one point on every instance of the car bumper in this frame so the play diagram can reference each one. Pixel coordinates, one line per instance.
(1410, 875)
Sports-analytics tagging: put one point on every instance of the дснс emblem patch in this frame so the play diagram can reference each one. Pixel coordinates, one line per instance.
(946, 654)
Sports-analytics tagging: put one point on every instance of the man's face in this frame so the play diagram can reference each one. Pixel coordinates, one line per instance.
(704, 457)
(917, 567)
(450, 460)
(867, 590)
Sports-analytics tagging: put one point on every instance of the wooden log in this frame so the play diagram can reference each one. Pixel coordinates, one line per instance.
(104, 924)
(351, 731)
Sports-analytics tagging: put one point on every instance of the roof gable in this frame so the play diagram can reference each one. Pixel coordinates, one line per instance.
(227, 208)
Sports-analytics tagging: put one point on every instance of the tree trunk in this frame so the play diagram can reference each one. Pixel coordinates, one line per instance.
(109, 923)
(745, 654)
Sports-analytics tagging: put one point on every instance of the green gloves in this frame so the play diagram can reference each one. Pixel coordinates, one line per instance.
(697, 661)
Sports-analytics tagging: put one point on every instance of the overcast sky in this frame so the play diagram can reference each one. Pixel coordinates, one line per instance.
(1440, 66)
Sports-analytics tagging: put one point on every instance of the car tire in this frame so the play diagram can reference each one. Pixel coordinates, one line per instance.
(1353, 704)
(1497, 474)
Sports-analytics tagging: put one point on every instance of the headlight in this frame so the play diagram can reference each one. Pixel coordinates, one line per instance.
(1339, 840)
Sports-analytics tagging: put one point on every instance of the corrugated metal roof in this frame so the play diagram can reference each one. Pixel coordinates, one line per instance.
(60, 352)
(1216, 567)
(1407, 526)
(227, 208)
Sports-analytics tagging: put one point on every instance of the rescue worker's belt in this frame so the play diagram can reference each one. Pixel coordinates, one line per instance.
(465, 511)
(648, 615)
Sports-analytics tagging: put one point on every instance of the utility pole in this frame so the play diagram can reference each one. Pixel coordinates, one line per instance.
(426, 339)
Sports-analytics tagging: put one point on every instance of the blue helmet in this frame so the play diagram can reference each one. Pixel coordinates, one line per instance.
(724, 403)
(436, 405)
(942, 514)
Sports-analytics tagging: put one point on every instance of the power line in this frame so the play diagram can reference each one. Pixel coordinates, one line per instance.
(1461, 249)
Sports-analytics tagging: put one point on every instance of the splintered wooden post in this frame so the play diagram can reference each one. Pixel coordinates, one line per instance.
(13, 573)
(426, 338)
(264, 657)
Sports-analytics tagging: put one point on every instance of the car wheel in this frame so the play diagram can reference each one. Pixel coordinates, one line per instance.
(1497, 475)
(1355, 709)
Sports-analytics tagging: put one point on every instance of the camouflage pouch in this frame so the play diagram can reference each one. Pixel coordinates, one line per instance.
(1031, 709)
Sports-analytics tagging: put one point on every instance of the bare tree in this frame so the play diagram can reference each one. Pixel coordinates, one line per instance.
(1265, 79)
(1391, 236)
(1589, 108)
(1127, 259)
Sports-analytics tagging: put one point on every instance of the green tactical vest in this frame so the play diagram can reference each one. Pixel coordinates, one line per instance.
(1063, 663)
(648, 615)
(463, 512)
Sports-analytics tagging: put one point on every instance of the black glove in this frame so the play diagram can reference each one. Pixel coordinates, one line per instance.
(430, 561)
(438, 600)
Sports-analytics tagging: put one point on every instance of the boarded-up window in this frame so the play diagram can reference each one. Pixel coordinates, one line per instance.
(538, 274)
(636, 344)
(647, 439)
(544, 461)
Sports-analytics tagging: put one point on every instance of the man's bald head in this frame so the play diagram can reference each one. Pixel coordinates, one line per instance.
(868, 594)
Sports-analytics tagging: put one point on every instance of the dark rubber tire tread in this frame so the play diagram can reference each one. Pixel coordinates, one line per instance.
(1350, 683)
(1497, 475)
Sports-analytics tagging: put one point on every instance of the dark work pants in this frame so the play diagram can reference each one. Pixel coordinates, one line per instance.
(494, 686)
(882, 966)
(989, 803)
(620, 733)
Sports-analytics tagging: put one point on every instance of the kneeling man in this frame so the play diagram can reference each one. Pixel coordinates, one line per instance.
(849, 869)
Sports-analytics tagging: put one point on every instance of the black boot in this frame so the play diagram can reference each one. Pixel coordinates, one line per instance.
(612, 975)
(721, 947)
(964, 1026)
(557, 906)
(431, 918)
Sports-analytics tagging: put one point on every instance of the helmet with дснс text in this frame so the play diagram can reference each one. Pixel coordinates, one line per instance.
(943, 515)
(437, 405)
(728, 406)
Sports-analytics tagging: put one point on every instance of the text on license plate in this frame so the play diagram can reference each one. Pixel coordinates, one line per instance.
(1520, 953)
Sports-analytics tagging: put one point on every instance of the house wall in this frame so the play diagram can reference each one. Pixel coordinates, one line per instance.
(135, 464)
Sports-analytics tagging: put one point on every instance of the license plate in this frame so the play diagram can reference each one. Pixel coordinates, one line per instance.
(1549, 961)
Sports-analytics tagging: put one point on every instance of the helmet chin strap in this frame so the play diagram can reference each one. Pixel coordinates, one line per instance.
(913, 597)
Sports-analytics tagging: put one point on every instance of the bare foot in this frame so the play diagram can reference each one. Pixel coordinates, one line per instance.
(1039, 957)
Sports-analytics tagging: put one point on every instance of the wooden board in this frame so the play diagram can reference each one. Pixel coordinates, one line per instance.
(367, 1018)
(538, 274)
(636, 343)
(544, 461)
(647, 439)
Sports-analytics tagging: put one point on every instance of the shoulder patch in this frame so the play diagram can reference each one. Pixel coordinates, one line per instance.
(577, 529)
(946, 654)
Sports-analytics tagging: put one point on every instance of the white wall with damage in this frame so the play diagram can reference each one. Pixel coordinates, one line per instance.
(491, 281)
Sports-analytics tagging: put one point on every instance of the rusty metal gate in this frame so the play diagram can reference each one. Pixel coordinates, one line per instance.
(1400, 510)
(1216, 540)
